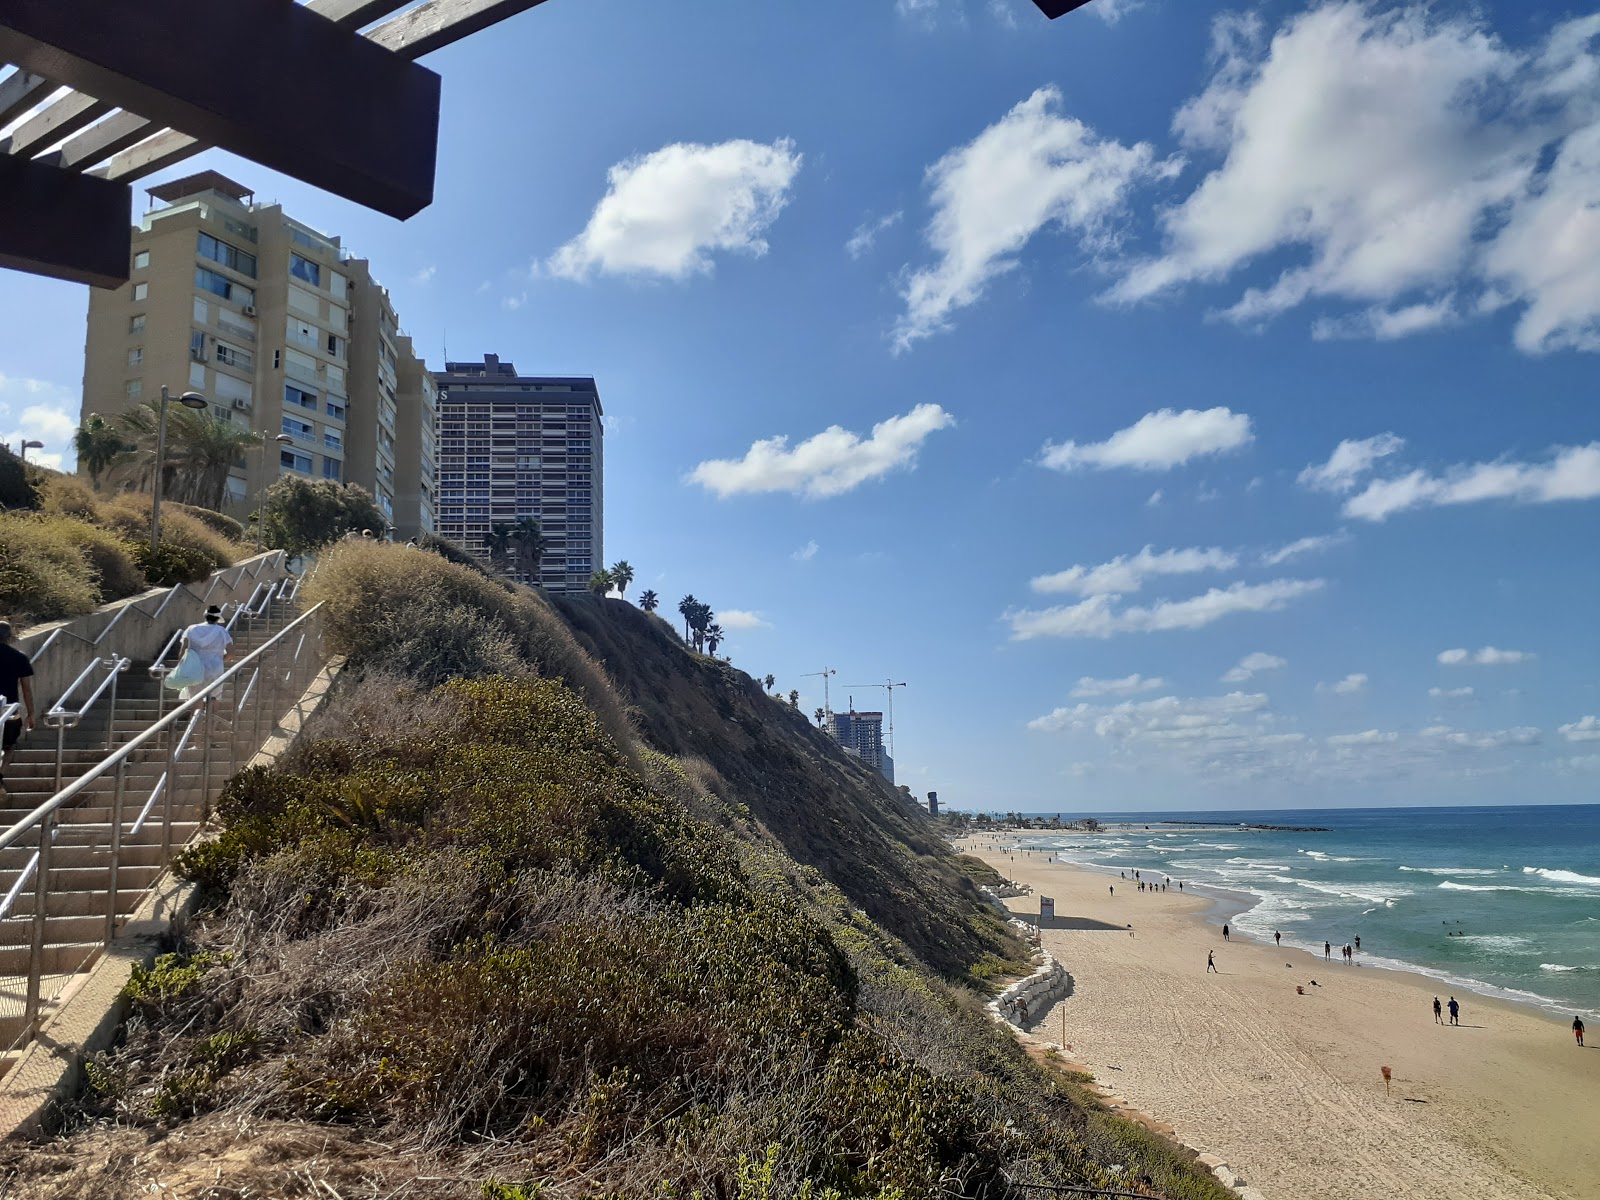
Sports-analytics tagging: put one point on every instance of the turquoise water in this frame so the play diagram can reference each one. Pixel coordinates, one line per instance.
(1504, 901)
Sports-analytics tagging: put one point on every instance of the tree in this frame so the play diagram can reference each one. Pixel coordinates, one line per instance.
(622, 576)
(601, 582)
(714, 638)
(794, 698)
(649, 601)
(99, 445)
(498, 541)
(820, 716)
(301, 515)
(700, 619)
(201, 448)
(528, 547)
(769, 681)
(686, 606)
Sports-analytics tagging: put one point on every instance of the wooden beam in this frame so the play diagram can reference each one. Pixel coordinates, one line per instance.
(20, 91)
(436, 24)
(353, 14)
(361, 122)
(62, 224)
(149, 156)
(117, 132)
(60, 120)
(1058, 8)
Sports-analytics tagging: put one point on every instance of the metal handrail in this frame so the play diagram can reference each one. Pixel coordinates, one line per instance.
(58, 715)
(148, 738)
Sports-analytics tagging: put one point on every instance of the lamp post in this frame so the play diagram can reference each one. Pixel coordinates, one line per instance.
(283, 439)
(192, 400)
(26, 446)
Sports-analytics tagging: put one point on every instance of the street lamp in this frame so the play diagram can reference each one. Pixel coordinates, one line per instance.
(192, 400)
(282, 439)
(26, 446)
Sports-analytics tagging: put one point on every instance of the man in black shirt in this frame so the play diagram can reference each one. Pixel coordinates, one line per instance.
(16, 683)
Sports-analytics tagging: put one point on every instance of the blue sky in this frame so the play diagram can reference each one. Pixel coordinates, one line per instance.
(1193, 404)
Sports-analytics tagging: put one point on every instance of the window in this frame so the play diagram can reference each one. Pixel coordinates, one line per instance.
(335, 378)
(294, 395)
(210, 281)
(229, 256)
(232, 393)
(141, 260)
(197, 345)
(202, 311)
(197, 375)
(242, 359)
(136, 356)
(335, 409)
(134, 388)
(331, 468)
(141, 291)
(302, 334)
(336, 284)
(304, 302)
(296, 428)
(332, 440)
(294, 461)
(136, 323)
(304, 268)
(334, 343)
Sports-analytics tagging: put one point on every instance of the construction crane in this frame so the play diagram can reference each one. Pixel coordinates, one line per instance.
(827, 673)
(888, 686)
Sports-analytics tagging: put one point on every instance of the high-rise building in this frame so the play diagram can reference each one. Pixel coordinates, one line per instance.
(515, 446)
(861, 734)
(282, 330)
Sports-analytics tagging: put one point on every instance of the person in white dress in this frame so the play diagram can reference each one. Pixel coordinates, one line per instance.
(209, 640)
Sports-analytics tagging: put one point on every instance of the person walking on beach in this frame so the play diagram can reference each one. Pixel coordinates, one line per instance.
(16, 684)
(1438, 1012)
(1277, 936)
(1224, 933)
(1577, 1029)
(1327, 951)
(1211, 962)
(1455, 1011)
(1113, 890)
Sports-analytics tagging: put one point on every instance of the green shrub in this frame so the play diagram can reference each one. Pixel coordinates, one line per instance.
(43, 576)
(217, 522)
(171, 563)
(128, 515)
(113, 561)
(70, 496)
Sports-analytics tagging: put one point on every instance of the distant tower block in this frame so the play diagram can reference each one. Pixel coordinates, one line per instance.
(933, 804)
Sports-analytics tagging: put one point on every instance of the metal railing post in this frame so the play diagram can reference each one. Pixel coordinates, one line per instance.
(61, 749)
(111, 712)
(171, 778)
(41, 905)
(210, 707)
(116, 848)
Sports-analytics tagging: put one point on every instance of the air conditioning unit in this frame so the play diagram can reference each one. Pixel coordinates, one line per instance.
(197, 355)
(241, 404)
(249, 310)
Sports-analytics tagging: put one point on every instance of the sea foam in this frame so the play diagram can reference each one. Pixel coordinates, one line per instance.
(1560, 876)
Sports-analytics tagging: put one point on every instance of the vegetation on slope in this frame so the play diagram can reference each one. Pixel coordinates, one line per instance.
(479, 936)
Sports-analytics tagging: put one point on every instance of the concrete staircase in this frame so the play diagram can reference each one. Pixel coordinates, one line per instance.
(80, 910)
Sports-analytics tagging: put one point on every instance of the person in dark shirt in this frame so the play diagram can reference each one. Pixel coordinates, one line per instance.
(16, 683)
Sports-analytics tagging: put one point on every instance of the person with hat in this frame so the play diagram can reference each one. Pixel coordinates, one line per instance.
(16, 684)
(209, 641)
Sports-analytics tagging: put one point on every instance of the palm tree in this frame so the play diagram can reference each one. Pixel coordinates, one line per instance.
(769, 681)
(649, 601)
(498, 541)
(686, 606)
(98, 446)
(201, 448)
(820, 716)
(528, 544)
(714, 638)
(700, 622)
(600, 582)
(794, 698)
(622, 576)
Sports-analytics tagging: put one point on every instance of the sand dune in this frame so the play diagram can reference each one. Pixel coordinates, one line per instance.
(1287, 1087)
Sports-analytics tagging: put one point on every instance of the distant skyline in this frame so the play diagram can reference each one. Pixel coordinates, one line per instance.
(1194, 404)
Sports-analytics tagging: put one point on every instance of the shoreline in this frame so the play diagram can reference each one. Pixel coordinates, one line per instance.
(1242, 902)
(1283, 1083)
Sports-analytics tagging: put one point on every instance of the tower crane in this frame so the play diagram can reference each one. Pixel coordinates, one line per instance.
(888, 686)
(827, 673)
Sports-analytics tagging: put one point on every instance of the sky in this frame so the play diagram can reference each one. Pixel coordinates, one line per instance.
(1193, 404)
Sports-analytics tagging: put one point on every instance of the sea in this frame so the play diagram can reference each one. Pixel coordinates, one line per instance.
(1504, 901)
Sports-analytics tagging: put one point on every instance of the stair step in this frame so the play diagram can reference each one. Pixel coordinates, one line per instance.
(98, 879)
(65, 855)
(79, 904)
(66, 959)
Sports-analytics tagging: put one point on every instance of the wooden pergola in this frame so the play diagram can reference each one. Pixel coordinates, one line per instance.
(326, 91)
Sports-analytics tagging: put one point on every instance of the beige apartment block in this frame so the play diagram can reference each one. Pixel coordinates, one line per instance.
(282, 330)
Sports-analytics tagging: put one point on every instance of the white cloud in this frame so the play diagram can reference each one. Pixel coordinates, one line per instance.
(1032, 169)
(1585, 730)
(1350, 685)
(425, 275)
(827, 464)
(41, 411)
(1486, 657)
(1155, 499)
(665, 213)
(1129, 686)
(1368, 737)
(512, 303)
(1099, 616)
(1168, 718)
(1349, 462)
(738, 618)
(1573, 473)
(1458, 693)
(866, 234)
(807, 552)
(1253, 664)
(1305, 545)
(1112, 11)
(1127, 573)
(1405, 160)
(1157, 441)
(1492, 739)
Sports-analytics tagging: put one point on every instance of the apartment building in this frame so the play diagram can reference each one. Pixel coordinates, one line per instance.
(283, 330)
(861, 735)
(512, 446)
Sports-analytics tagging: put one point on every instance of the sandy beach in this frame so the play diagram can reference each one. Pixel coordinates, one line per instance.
(1287, 1087)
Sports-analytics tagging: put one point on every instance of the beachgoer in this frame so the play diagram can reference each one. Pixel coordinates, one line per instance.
(1438, 1012)
(1112, 889)
(1224, 933)
(1577, 1029)
(16, 683)
(1277, 936)
(1358, 942)
(209, 639)
(1327, 951)
(1455, 1011)
(1180, 885)
(1211, 961)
